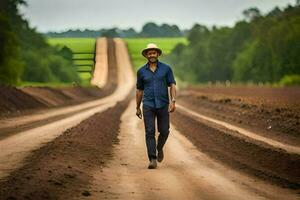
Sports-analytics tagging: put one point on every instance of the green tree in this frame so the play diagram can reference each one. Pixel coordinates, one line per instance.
(259, 48)
(25, 54)
(11, 66)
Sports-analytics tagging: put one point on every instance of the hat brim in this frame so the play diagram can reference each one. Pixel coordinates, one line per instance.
(145, 51)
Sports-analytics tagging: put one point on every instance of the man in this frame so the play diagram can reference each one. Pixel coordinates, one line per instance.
(153, 80)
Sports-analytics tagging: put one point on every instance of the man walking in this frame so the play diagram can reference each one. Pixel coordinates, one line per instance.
(153, 80)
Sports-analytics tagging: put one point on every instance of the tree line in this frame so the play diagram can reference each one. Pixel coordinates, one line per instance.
(149, 29)
(25, 54)
(259, 48)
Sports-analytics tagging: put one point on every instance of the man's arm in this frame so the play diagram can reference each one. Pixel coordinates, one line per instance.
(173, 91)
(139, 93)
(172, 106)
(138, 97)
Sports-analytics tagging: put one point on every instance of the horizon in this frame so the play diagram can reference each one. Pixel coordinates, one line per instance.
(109, 15)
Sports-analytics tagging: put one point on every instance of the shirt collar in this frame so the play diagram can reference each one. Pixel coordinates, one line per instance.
(147, 64)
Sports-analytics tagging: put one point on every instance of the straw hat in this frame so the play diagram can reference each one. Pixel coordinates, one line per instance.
(151, 46)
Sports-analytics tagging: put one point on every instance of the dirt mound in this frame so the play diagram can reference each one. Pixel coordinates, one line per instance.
(62, 168)
(13, 99)
(271, 112)
(265, 162)
(63, 96)
(82, 93)
(47, 95)
(254, 94)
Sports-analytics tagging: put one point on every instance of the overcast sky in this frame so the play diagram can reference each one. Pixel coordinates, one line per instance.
(59, 15)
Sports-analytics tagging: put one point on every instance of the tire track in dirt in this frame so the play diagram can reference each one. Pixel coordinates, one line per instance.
(61, 168)
(231, 148)
(279, 145)
(185, 173)
(266, 111)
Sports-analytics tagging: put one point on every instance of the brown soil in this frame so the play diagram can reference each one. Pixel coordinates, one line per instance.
(269, 164)
(270, 95)
(239, 107)
(62, 167)
(13, 99)
(61, 96)
(271, 112)
(22, 101)
(16, 101)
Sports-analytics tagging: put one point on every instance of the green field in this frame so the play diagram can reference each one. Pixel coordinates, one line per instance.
(75, 44)
(136, 45)
(79, 45)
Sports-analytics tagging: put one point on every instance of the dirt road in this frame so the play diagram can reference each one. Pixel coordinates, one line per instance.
(99, 152)
(186, 173)
(19, 144)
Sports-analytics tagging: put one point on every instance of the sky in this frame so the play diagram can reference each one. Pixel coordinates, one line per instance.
(61, 15)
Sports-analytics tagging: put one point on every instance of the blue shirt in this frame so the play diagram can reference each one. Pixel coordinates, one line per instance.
(155, 84)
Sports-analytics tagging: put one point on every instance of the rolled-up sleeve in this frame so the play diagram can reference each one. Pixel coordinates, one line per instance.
(139, 81)
(170, 77)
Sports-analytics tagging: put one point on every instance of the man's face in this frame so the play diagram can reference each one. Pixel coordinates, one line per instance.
(152, 56)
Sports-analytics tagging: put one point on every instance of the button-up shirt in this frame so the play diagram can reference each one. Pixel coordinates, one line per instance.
(155, 84)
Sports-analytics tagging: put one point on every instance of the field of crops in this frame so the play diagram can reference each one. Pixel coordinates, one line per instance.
(83, 49)
(135, 46)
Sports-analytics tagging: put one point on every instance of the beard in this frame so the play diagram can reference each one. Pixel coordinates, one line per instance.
(152, 60)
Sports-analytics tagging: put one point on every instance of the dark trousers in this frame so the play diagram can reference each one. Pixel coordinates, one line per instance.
(163, 125)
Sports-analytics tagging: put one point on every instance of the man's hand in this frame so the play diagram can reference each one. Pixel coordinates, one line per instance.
(172, 107)
(139, 113)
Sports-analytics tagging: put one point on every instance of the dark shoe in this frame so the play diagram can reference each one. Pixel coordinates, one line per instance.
(152, 164)
(160, 155)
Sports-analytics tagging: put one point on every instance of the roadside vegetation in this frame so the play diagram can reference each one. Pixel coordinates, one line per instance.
(25, 55)
(261, 49)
